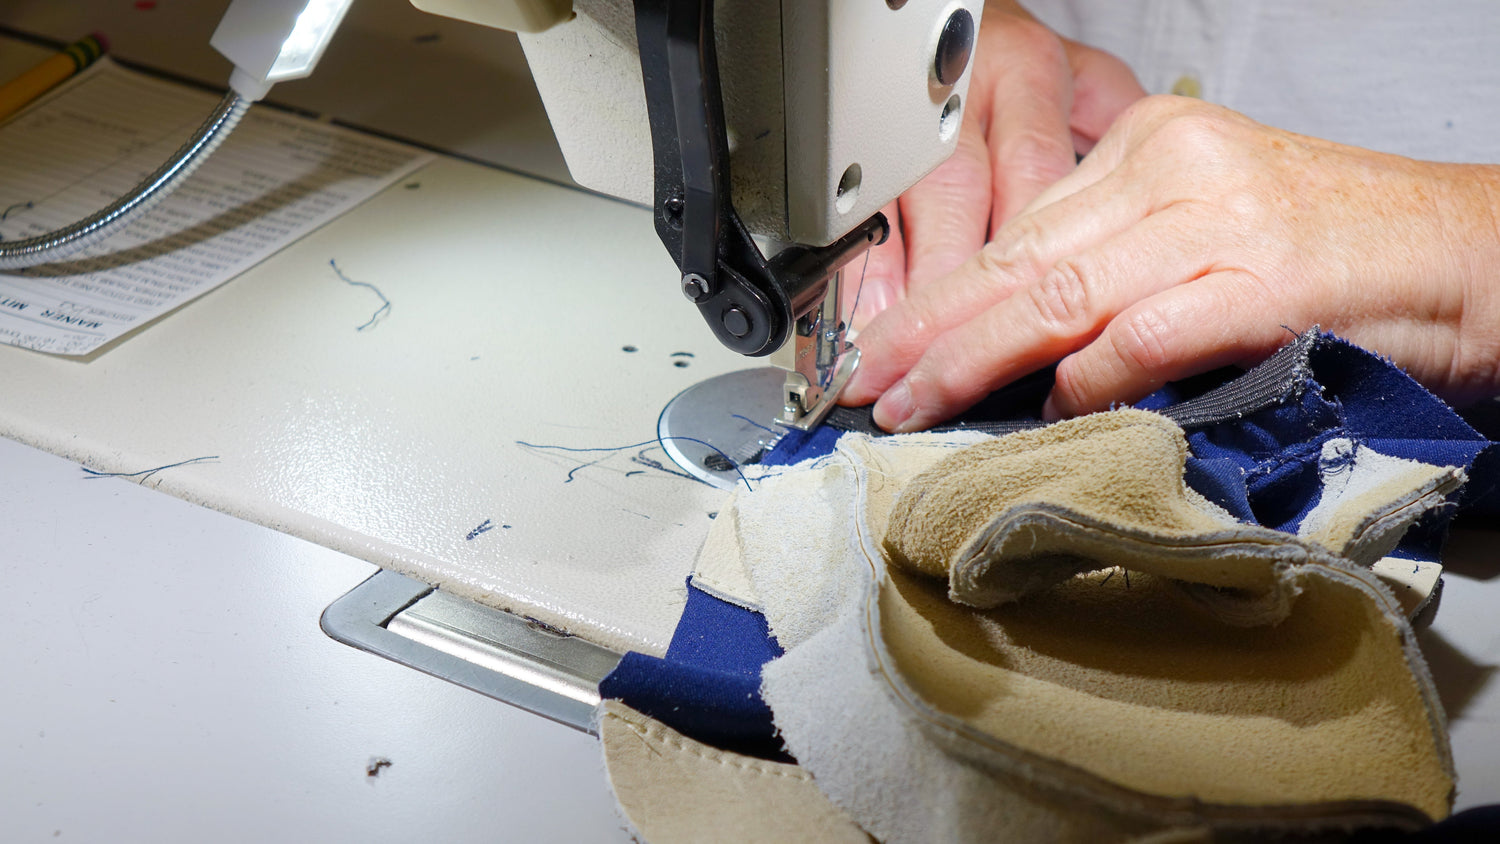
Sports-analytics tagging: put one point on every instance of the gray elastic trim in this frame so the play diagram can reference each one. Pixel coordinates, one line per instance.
(56, 245)
(1279, 379)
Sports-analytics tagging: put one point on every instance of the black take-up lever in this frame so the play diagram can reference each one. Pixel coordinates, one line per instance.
(753, 305)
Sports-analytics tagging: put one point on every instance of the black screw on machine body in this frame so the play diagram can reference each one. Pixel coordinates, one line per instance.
(695, 287)
(674, 206)
(737, 322)
(954, 47)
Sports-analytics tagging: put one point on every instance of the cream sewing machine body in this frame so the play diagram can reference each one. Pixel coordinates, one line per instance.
(766, 135)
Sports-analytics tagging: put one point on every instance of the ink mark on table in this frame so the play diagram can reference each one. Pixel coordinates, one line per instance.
(484, 527)
(19, 206)
(542, 626)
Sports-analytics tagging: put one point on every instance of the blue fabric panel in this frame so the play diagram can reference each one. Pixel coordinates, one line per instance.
(1351, 394)
(708, 685)
(1395, 415)
(798, 446)
(1479, 824)
(1278, 451)
(1222, 482)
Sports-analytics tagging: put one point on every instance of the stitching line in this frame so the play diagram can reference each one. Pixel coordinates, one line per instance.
(657, 735)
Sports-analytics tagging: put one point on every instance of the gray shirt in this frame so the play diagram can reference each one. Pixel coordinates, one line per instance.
(1415, 77)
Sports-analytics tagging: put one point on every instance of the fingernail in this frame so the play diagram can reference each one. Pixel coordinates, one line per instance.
(895, 407)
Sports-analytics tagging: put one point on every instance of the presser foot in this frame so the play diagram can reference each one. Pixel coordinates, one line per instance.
(713, 429)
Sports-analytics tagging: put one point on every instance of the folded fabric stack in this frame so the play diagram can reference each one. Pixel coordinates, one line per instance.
(1193, 617)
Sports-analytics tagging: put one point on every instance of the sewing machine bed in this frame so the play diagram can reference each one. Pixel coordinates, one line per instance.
(493, 433)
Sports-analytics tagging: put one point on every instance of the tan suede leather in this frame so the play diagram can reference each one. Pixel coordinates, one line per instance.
(1154, 665)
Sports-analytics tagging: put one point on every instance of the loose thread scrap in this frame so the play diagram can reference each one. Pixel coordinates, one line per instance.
(25, 206)
(145, 474)
(385, 306)
(639, 459)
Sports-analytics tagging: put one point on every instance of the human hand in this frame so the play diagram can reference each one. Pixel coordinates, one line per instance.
(1035, 102)
(1193, 238)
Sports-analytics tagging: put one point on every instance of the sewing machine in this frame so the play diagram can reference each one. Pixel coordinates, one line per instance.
(765, 171)
(766, 136)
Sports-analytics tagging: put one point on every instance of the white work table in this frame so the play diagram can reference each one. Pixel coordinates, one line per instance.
(166, 680)
(165, 677)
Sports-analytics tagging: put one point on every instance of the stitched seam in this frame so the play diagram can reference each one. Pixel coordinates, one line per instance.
(656, 736)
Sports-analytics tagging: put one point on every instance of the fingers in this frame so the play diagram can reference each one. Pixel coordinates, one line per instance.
(1103, 87)
(1061, 312)
(878, 281)
(945, 217)
(1022, 253)
(1031, 100)
(1221, 319)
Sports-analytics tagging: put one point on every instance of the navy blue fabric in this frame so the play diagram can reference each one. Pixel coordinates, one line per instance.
(1350, 394)
(708, 686)
(1221, 481)
(1479, 825)
(797, 446)
(1262, 468)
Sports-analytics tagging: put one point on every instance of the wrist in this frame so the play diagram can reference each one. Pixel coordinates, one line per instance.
(1476, 226)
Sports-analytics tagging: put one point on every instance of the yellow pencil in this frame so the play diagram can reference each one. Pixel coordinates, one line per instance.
(39, 80)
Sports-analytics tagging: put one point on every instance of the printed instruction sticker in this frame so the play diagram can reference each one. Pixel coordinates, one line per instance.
(276, 178)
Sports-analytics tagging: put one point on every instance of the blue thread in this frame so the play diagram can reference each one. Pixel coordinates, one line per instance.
(619, 448)
(744, 418)
(861, 288)
(386, 306)
(27, 205)
(145, 474)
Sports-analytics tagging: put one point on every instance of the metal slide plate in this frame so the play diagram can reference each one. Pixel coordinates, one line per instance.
(495, 653)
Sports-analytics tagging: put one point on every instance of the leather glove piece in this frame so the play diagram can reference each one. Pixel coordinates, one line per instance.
(1099, 703)
(1025, 512)
(1068, 632)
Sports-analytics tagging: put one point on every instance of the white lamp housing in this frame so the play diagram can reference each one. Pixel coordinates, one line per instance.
(270, 41)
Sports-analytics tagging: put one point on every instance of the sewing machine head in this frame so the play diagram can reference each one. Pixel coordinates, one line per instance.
(766, 135)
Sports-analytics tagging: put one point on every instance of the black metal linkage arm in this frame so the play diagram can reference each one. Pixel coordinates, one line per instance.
(745, 300)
